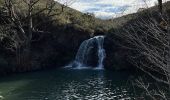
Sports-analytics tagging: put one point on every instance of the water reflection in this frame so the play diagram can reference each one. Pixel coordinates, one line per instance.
(72, 85)
(95, 87)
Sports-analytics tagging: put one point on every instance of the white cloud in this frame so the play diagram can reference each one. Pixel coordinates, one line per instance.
(110, 8)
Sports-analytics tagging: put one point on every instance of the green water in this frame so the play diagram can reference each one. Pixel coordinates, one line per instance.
(66, 84)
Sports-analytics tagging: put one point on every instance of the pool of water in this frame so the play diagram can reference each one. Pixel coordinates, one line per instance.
(66, 84)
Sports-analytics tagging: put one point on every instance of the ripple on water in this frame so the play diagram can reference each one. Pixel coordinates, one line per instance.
(69, 85)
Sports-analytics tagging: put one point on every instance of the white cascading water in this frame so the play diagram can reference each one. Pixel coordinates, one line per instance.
(84, 49)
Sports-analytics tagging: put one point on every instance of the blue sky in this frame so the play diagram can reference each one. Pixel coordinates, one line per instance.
(106, 9)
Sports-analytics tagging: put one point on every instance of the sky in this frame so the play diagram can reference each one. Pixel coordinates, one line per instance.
(106, 9)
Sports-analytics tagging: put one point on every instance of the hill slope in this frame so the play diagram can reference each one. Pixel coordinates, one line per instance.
(59, 45)
(117, 45)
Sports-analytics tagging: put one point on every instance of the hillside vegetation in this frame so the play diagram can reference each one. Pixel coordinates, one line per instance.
(120, 42)
(65, 29)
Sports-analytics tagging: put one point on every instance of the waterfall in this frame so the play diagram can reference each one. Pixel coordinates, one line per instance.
(101, 51)
(85, 48)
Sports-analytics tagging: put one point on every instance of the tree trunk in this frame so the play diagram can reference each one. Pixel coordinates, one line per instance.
(160, 6)
(26, 56)
(18, 57)
(23, 58)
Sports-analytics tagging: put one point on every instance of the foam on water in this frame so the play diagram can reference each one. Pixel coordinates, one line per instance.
(84, 50)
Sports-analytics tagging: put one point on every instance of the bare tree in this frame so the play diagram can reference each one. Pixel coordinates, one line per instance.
(24, 27)
(157, 93)
(66, 3)
(149, 41)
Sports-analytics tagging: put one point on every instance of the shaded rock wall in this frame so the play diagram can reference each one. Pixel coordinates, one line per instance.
(116, 56)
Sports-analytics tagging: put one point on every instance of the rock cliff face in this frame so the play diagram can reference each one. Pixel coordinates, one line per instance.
(54, 49)
(57, 51)
(59, 47)
(116, 56)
